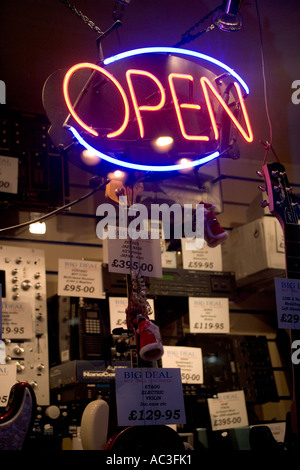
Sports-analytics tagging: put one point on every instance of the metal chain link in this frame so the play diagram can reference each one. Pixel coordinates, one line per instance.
(83, 17)
(185, 38)
(188, 37)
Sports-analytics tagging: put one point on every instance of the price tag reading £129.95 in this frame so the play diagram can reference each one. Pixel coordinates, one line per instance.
(148, 396)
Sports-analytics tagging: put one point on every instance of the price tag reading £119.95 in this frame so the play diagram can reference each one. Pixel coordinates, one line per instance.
(209, 315)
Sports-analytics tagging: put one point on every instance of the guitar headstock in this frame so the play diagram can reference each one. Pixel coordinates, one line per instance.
(282, 202)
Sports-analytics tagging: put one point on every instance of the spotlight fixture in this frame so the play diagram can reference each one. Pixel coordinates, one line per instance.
(228, 19)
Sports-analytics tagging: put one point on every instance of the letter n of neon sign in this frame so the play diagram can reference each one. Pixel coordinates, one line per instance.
(248, 135)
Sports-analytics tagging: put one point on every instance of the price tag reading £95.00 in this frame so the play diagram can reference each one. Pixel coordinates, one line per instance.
(228, 410)
(209, 315)
(80, 278)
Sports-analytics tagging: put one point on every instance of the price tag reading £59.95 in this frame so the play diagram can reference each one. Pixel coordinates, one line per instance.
(228, 410)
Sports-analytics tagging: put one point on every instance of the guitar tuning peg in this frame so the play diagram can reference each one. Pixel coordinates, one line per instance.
(276, 188)
(264, 203)
(259, 173)
(275, 173)
(262, 188)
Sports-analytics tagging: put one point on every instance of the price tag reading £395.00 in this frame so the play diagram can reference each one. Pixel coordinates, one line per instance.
(228, 410)
(141, 255)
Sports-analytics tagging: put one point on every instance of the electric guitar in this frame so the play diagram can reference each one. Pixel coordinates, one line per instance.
(17, 417)
(283, 205)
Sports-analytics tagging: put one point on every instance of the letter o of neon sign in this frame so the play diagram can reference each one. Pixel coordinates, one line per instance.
(71, 109)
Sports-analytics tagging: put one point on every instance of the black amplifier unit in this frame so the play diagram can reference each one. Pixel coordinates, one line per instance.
(234, 362)
(177, 282)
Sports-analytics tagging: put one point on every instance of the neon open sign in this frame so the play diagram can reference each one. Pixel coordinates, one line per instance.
(155, 109)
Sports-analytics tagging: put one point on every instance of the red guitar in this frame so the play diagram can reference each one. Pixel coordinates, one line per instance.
(283, 206)
(16, 420)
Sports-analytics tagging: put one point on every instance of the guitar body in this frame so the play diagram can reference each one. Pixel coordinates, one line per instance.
(283, 206)
(17, 417)
(146, 439)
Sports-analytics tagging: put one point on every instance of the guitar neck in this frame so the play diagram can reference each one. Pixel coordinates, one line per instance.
(292, 250)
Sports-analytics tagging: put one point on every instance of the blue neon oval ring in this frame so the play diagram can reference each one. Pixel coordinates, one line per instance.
(175, 167)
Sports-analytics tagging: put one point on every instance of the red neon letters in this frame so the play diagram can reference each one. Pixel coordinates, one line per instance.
(173, 78)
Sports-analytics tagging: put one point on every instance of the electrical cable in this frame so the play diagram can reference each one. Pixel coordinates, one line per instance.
(56, 211)
(264, 75)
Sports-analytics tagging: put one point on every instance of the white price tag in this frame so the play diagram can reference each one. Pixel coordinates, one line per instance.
(149, 396)
(228, 410)
(168, 259)
(9, 171)
(2, 352)
(7, 380)
(16, 320)
(288, 303)
(143, 256)
(205, 259)
(80, 278)
(117, 314)
(209, 315)
(188, 360)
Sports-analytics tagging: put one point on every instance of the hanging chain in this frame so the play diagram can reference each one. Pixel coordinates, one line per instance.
(188, 36)
(185, 38)
(83, 17)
